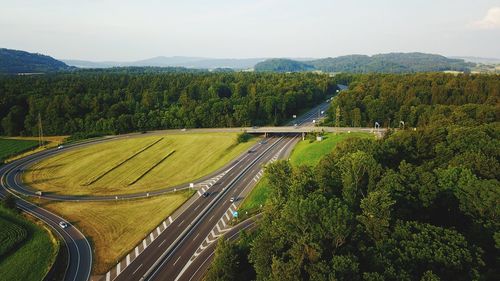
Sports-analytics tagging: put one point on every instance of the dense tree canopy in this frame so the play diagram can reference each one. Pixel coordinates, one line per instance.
(418, 100)
(115, 102)
(414, 205)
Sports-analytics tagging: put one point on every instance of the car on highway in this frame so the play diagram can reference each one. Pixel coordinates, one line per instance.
(231, 200)
(63, 224)
(205, 194)
(251, 151)
(39, 193)
(60, 147)
(263, 142)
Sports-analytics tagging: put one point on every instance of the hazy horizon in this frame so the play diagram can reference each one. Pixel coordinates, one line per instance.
(125, 31)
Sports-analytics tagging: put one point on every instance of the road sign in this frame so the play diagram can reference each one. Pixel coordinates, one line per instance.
(235, 214)
(191, 185)
(294, 116)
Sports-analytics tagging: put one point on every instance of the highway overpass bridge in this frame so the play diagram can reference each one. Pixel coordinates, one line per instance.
(310, 129)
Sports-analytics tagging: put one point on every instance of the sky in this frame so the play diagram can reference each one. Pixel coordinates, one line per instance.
(126, 30)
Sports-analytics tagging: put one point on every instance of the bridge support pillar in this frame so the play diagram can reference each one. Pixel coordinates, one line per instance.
(265, 135)
(303, 136)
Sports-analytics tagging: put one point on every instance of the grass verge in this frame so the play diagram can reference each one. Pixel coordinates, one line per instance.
(50, 142)
(31, 258)
(305, 153)
(114, 228)
(196, 155)
(11, 147)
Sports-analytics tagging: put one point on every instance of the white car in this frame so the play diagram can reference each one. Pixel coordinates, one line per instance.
(63, 224)
(231, 200)
(60, 147)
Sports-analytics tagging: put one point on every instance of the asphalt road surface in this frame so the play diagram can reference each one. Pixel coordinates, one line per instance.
(79, 264)
(183, 251)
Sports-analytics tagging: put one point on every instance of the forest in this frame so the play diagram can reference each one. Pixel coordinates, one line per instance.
(418, 204)
(416, 99)
(126, 100)
(381, 63)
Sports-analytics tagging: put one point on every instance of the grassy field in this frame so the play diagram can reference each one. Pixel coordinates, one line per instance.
(50, 142)
(11, 235)
(305, 153)
(24, 258)
(114, 228)
(310, 153)
(11, 147)
(114, 167)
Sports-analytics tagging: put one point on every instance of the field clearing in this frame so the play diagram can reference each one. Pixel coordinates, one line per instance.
(11, 147)
(116, 227)
(11, 234)
(51, 142)
(310, 153)
(304, 153)
(196, 155)
(31, 258)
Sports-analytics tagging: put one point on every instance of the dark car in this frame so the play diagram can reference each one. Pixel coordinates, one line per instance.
(205, 194)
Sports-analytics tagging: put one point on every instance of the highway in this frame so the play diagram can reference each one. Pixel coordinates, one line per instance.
(79, 265)
(180, 254)
(173, 248)
(181, 247)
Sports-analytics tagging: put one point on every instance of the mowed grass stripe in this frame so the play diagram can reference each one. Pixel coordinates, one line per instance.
(11, 235)
(152, 167)
(31, 258)
(196, 155)
(10, 147)
(99, 176)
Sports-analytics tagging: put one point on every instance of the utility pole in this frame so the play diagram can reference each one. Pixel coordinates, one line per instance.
(40, 131)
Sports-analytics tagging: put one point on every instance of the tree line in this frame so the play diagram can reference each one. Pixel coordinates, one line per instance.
(417, 100)
(118, 102)
(415, 205)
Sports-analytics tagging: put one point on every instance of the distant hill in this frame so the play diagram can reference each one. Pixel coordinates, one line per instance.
(177, 61)
(15, 61)
(479, 60)
(282, 65)
(384, 63)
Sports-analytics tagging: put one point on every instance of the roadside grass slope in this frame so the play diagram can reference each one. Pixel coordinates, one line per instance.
(11, 147)
(50, 142)
(115, 228)
(304, 153)
(27, 258)
(196, 155)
